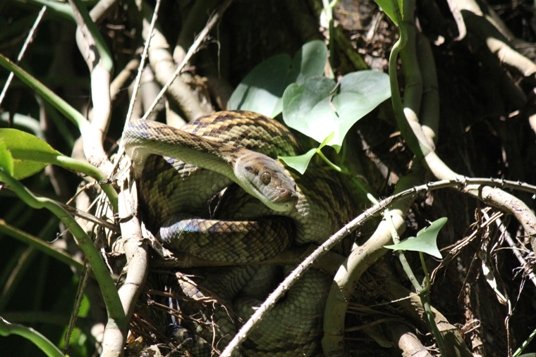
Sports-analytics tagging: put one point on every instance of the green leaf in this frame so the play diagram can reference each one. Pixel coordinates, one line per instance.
(6, 159)
(360, 93)
(261, 90)
(30, 154)
(425, 242)
(315, 109)
(310, 61)
(392, 10)
(307, 107)
(299, 162)
(85, 305)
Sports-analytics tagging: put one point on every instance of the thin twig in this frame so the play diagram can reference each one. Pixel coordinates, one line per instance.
(517, 252)
(137, 82)
(212, 21)
(142, 62)
(23, 49)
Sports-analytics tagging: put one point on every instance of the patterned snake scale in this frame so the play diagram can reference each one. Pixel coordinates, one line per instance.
(242, 230)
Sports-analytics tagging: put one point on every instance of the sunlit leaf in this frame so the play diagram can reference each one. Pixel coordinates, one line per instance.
(30, 153)
(6, 159)
(360, 92)
(425, 242)
(262, 88)
(307, 107)
(311, 103)
(317, 110)
(310, 61)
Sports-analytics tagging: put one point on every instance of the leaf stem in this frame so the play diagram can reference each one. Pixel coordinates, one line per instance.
(326, 160)
(77, 166)
(49, 96)
(100, 270)
(38, 339)
(37, 243)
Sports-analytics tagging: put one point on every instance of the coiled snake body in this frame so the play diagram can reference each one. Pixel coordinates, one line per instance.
(209, 154)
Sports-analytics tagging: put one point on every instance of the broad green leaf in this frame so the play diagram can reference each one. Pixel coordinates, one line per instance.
(6, 159)
(360, 93)
(307, 107)
(425, 242)
(310, 61)
(391, 9)
(30, 154)
(317, 110)
(370, 87)
(261, 90)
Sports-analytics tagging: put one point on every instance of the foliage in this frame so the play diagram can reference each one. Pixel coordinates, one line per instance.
(424, 242)
(457, 112)
(309, 101)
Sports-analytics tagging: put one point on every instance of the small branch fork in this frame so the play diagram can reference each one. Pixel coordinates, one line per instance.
(462, 184)
(213, 20)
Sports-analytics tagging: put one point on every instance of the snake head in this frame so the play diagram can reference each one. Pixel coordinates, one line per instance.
(267, 180)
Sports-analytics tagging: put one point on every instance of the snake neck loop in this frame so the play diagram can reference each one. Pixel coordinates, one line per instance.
(258, 174)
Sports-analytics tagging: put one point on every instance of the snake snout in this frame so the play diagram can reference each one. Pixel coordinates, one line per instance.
(266, 179)
(285, 194)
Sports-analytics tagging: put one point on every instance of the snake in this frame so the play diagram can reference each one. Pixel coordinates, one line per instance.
(181, 169)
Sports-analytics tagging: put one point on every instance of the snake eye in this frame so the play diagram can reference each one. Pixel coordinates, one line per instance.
(266, 178)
